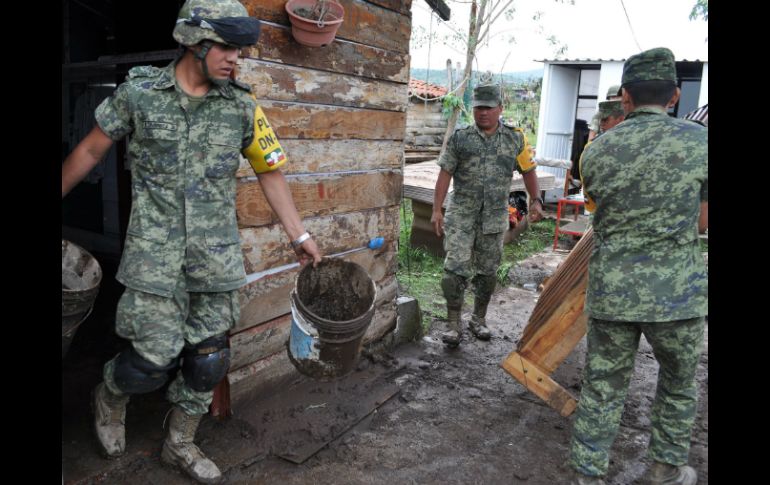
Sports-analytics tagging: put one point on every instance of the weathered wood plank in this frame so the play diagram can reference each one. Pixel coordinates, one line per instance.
(268, 297)
(324, 122)
(318, 195)
(267, 374)
(540, 383)
(278, 82)
(268, 247)
(268, 338)
(364, 22)
(325, 156)
(275, 44)
(402, 6)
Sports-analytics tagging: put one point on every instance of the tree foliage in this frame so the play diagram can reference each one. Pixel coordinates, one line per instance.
(700, 9)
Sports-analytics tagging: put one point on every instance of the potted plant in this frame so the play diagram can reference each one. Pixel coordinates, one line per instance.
(314, 23)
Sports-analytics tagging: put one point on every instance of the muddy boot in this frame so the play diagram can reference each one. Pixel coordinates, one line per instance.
(179, 449)
(478, 326)
(580, 479)
(452, 336)
(109, 420)
(664, 474)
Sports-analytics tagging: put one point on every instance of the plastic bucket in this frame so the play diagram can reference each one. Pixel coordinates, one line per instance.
(81, 276)
(331, 308)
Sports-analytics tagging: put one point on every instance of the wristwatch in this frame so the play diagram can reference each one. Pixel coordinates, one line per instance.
(302, 238)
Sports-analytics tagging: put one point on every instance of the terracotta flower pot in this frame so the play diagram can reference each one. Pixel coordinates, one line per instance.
(312, 32)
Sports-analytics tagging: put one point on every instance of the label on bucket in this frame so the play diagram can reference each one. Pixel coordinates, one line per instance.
(302, 338)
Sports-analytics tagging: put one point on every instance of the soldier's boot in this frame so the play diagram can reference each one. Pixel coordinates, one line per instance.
(109, 420)
(453, 286)
(484, 286)
(452, 336)
(179, 449)
(664, 474)
(478, 326)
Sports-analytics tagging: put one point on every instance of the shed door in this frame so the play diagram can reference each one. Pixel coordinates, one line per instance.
(555, 138)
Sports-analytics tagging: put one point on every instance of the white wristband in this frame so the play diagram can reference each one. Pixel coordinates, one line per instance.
(302, 238)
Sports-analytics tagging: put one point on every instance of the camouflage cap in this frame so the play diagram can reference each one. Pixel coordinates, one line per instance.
(487, 95)
(651, 65)
(613, 91)
(610, 108)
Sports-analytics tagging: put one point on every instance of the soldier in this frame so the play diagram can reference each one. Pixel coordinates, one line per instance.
(481, 160)
(613, 94)
(182, 263)
(649, 179)
(610, 114)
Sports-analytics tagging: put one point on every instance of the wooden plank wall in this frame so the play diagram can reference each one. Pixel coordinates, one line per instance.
(425, 125)
(340, 114)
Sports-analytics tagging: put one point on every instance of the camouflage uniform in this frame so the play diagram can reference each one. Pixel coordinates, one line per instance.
(182, 251)
(647, 176)
(477, 211)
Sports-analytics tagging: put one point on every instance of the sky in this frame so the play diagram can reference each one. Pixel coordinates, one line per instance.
(595, 29)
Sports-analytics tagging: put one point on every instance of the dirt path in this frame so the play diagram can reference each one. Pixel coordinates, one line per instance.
(458, 419)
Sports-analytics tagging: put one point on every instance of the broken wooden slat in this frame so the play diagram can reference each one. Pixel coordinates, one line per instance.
(326, 156)
(324, 122)
(540, 383)
(364, 22)
(294, 84)
(268, 246)
(275, 44)
(320, 195)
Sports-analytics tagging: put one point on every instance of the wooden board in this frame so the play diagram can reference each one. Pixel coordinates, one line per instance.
(363, 22)
(540, 383)
(268, 297)
(294, 84)
(268, 246)
(319, 195)
(276, 44)
(326, 156)
(323, 122)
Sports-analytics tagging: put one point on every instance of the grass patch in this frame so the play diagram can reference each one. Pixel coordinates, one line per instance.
(419, 272)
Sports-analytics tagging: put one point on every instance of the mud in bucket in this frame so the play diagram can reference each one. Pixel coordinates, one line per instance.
(331, 308)
(81, 276)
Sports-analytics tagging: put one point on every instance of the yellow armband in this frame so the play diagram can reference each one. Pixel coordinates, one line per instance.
(525, 161)
(265, 153)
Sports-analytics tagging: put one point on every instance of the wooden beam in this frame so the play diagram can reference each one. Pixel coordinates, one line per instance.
(326, 156)
(275, 44)
(320, 195)
(320, 121)
(440, 8)
(540, 383)
(278, 82)
(364, 22)
(268, 247)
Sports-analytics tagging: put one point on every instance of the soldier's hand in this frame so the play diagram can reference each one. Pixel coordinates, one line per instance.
(437, 219)
(308, 252)
(535, 212)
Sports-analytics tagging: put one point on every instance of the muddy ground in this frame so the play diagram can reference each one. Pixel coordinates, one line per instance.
(412, 414)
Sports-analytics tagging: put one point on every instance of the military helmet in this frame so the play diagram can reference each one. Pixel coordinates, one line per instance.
(223, 21)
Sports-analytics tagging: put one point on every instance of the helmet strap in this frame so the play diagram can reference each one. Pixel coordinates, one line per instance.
(201, 56)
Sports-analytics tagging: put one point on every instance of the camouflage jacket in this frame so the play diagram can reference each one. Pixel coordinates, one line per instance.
(481, 169)
(183, 230)
(647, 176)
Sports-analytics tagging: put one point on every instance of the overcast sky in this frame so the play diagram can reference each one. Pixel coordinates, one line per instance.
(590, 29)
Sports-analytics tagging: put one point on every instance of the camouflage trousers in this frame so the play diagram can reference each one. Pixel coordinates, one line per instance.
(612, 349)
(158, 328)
(474, 256)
